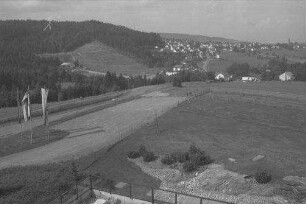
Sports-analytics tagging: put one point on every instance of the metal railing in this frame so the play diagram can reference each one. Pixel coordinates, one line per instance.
(91, 186)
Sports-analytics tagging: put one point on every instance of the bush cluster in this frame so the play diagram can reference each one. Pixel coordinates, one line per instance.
(263, 177)
(133, 154)
(147, 156)
(168, 160)
(192, 159)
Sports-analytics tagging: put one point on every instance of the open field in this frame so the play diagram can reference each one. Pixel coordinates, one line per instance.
(99, 58)
(228, 58)
(96, 56)
(293, 56)
(293, 87)
(226, 126)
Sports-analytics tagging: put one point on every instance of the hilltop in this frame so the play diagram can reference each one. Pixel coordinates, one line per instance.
(200, 38)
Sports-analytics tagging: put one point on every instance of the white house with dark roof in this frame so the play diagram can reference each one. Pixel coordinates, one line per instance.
(286, 76)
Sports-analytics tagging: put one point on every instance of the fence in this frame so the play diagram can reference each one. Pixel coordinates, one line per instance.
(95, 186)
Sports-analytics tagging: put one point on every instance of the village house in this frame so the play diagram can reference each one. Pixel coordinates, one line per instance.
(286, 76)
(249, 78)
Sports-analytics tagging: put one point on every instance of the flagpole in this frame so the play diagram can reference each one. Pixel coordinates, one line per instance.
(47, 123)
(30, 115)
(18, 111)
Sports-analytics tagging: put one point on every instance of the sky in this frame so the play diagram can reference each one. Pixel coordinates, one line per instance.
(268, 21)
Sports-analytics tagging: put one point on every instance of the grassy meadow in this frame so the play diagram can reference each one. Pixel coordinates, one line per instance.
(96, 56)
(225, 126)
(228, 58)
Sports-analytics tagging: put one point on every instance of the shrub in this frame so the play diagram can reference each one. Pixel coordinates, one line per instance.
(168, 160)
(180, 156)
(189, 166)
(149, 156)
(193, 149)
(263, 177)
(177, 82)
(142, 150)
(133, 154)
(200, 159)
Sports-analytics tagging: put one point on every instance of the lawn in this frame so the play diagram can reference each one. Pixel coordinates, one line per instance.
(292, 87)
(225, 126)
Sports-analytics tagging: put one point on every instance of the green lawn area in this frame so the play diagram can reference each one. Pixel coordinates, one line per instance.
(225, 126)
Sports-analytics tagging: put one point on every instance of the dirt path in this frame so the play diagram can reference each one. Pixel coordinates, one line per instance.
(94, 131)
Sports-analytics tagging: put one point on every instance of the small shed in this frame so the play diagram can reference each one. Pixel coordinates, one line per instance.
(220, 76)
(286, 76)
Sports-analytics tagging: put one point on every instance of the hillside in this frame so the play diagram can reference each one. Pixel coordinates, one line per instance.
(99, 57)
(200, 38)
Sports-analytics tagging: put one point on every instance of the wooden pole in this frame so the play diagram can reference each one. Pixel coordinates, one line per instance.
(47, 123)
(31, 130)
(18, 112)
(29, 104)
(21, 130)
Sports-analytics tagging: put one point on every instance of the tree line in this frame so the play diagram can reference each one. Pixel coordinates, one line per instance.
(82, 86)
(270, 71)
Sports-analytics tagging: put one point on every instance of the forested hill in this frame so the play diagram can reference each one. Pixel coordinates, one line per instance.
(28, 36)
(22, 40)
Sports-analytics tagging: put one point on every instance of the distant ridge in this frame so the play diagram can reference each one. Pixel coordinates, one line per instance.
(200, 38)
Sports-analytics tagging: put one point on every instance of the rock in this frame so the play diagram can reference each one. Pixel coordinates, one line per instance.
(232, 160)
(295, 179)
(258, 157)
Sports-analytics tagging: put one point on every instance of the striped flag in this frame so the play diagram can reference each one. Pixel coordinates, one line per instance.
(44, 97)
(26, 106)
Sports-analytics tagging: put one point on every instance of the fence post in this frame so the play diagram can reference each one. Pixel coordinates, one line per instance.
(91, 188)
(77, 191)
(61, 199)
(201, 201)
(152, 196)
(131, 191)
(175, 198)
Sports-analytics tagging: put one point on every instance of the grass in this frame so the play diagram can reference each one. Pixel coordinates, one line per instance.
(34, 184)
(271, 86)
(225, 129)
(298, 55)
(15, 143)
(228, 58)
(96, 56)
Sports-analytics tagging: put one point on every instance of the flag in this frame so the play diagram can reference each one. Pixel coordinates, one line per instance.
(18, 107)
(26, 106)
(44, 96)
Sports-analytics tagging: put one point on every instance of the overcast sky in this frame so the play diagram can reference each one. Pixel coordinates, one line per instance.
(252, 20)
